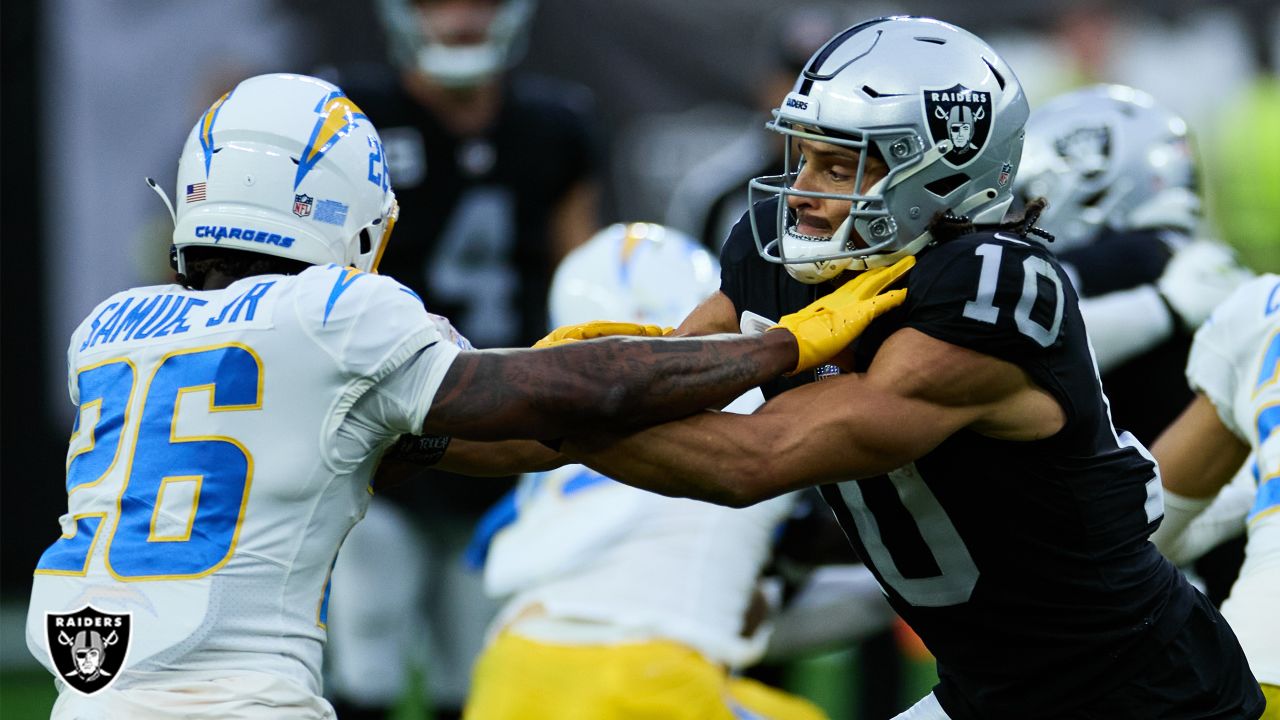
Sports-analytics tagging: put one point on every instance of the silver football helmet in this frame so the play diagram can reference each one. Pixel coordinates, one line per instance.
(935, 103)
(1108, 156)
(456, 56)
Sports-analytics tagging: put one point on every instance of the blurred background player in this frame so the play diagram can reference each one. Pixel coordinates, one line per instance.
(622, 603)
(497, 171)
(712, 196)
(1120, 174)
(1235, 372)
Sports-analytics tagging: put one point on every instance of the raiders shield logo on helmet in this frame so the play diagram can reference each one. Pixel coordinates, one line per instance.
(1086, 150)
(962, 117)
(87, 647)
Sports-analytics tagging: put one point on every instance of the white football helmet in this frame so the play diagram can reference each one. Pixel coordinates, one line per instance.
(455, 61)
(285, 165)
(935, 103)
(1108, 156)
(636, 272)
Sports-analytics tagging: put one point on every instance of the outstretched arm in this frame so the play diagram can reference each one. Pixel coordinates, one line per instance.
(1197, 456)
(624, 383)
(621, 382)
(918, 392)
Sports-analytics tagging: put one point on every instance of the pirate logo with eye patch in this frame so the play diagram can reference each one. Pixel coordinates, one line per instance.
(88, 647)
(961, 118)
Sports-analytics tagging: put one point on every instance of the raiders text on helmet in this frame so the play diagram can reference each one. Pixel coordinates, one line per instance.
(935, 103)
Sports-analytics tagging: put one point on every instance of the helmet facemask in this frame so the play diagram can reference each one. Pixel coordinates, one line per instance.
(932, 102)
(869, 235)
(415, 43)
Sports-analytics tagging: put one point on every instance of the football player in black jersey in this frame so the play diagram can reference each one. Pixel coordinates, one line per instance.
(496, 172)
(1120, 176)
(965, 444)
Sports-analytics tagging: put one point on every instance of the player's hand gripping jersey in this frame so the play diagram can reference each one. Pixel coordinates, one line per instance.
(200, 500)
(1235, 361)
(1037, 549)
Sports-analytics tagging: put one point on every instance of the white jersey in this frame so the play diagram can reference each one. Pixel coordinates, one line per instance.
(1235, 361)
(585, 547)
(223, 448)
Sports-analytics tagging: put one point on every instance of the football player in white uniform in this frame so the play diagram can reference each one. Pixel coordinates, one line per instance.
(623, 603)
(229, 425)
(1235, 371)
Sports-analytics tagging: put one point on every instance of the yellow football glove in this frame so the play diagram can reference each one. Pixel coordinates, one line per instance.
(829, 324)
(598, 329)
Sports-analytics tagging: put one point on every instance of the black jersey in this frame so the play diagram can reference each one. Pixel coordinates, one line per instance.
(473, 235)
(1150, 390)
(1023, 566)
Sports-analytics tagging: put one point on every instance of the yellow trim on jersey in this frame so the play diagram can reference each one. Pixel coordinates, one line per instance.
(93, 435)
(92, 544)
(191, 512)
(173, 439)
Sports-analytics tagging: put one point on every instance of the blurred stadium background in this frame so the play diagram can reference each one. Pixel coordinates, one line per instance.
(100, 93)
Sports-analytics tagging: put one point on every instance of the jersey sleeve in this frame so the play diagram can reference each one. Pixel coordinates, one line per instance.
(1119, 261)
(1226, 344)
(1000, 297)
(368, 323)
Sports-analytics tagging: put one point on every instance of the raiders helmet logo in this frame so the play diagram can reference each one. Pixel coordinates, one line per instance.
(87, 647)
(1086, 150)
(960, 116)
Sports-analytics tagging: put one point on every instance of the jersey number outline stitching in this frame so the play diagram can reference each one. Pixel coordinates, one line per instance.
(958, 573)
(231, 375)
(983, 309)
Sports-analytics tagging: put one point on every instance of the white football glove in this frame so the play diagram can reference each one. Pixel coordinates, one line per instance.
(1200, 275)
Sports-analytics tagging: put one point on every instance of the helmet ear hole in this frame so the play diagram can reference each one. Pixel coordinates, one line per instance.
(366, 242)
(943, 187)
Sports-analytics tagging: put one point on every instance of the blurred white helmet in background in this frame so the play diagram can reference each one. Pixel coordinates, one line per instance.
(636, 272)
(1108, 156)
(285, 165)
(458, 43)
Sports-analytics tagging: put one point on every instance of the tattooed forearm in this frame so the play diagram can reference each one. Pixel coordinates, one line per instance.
(608, 383)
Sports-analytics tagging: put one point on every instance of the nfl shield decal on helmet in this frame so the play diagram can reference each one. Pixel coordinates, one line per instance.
(302, 205)
(88, 647)
(960, 116)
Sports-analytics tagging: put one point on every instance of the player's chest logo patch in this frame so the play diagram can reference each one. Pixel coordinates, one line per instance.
(88, 647)
(960, 116)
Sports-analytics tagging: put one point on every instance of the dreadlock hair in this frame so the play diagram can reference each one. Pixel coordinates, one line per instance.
(201, 261)
(947, 226)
